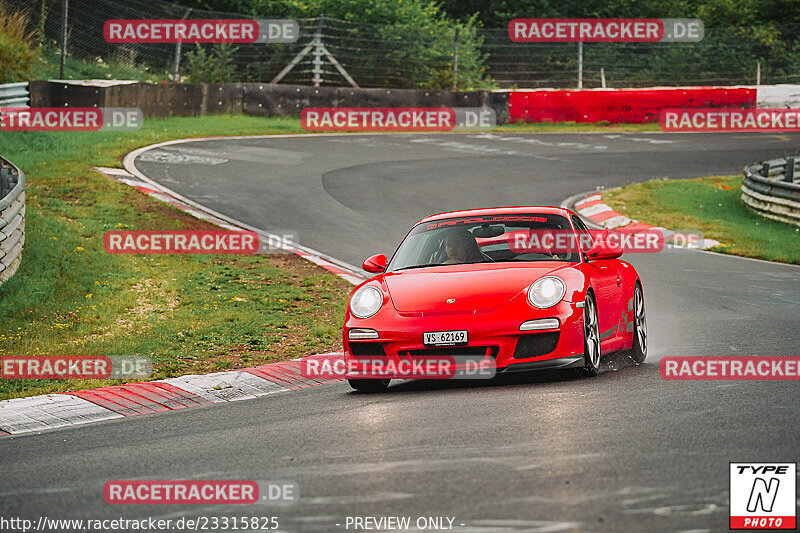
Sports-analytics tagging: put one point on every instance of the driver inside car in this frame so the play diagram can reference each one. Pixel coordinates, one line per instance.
(461, 247)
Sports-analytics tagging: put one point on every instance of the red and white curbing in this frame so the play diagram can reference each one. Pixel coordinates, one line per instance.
(602, 215)
(52, 411)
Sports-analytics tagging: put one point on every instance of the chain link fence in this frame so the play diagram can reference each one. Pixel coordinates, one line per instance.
(376, 55)
(726, 56)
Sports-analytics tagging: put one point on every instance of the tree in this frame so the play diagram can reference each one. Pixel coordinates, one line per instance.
(214, 67)
(19, 50)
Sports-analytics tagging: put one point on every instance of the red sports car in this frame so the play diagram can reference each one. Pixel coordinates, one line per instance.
(475, 282)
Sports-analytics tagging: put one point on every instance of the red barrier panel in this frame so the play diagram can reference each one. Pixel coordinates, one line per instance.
(620, 105)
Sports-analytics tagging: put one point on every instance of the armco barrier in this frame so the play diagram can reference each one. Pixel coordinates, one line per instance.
(620, 105)
(12, 218)
(14, 94)
(772, 188)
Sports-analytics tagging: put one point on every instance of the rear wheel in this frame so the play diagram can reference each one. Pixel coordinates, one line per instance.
(369, 385)
(639, 351)
(591, 338)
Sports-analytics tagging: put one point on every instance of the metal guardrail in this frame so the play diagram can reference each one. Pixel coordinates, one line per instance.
(15, 95)
(12, 218)
(773, 188)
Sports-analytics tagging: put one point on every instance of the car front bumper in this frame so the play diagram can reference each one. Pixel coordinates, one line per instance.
(494, 336)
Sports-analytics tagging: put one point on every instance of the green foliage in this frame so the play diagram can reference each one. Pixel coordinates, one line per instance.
(713, 13)
(384, 43)
(110, 68)
(18, 47)
(215, 67)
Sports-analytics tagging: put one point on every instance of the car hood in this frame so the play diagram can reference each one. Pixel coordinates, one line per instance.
(475, 286)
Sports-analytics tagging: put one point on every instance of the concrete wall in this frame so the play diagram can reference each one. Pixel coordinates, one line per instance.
(539, 105)
(260, 99)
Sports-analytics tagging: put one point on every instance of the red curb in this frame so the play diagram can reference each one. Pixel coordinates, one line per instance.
(282, 376)
(294, 369)
(605, 215)
(269, 373)
(140, 398)
(3, 433)
(584, 205)
(297, 366)
(167, 395)
(333, 269)
(120, 401)
(634, 228)
(287, 372)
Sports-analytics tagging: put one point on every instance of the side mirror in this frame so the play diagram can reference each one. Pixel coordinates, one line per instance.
(375, 264)
(604, 250)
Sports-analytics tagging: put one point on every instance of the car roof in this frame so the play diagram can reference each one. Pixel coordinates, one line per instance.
(518, 210)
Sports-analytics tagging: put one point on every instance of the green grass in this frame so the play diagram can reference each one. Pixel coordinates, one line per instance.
(190, 314)
(713, 206)
(40, 150)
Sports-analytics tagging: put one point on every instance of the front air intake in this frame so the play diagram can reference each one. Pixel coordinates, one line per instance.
(366, 349)
(536, 344)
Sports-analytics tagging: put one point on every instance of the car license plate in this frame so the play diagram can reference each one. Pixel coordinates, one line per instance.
(444, 338)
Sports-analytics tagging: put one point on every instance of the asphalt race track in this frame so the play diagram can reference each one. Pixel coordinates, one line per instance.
(626, 451)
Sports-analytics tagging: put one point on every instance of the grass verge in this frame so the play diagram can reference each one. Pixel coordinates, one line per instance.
(713, 206)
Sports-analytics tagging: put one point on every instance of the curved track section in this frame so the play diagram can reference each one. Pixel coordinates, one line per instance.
(538, 452)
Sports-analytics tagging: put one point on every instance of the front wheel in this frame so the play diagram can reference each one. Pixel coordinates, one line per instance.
(369, 385)
(638, 353)
(591, 338)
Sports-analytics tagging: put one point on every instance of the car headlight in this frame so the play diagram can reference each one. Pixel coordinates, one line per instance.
(366, 302)
(546, 292)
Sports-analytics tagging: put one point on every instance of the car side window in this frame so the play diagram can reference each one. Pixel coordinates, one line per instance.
(586, 240)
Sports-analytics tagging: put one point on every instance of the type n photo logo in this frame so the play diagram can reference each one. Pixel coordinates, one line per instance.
(763, 495)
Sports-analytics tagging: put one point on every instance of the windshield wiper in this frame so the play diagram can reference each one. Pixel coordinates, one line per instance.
(442, 264)
(421, 266)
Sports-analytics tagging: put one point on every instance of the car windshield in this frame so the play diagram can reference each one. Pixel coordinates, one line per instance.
(486, 239)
